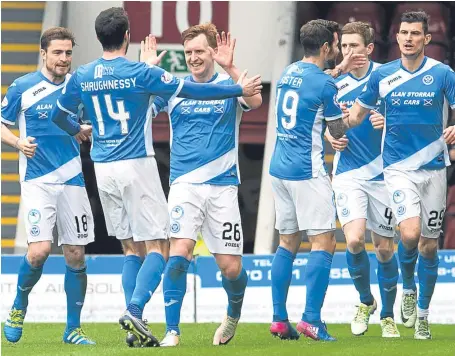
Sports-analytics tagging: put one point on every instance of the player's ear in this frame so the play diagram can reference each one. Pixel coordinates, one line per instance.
(427, 38)
(370, 48)
(43, 54)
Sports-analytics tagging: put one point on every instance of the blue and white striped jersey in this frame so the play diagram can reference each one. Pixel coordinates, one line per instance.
(204, 137)
(306, 98)
(414, 120)
(362, 158)
(30, 100)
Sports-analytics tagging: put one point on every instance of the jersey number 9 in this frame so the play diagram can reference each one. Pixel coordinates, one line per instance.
(288, 107)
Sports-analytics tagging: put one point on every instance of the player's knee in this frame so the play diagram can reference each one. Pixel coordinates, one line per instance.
(291, 242)
(356, 244)
(384, 252)
(182, 247)
(231, 270)
(74, 256)
(37, 253)
(410, 232)
(428, 248)
(158, 246)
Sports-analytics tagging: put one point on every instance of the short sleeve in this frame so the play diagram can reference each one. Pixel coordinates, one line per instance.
(332, 110)
(11, 104)
(70, 98)
(159, 82)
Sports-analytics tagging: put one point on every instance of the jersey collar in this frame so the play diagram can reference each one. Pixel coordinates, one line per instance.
(211, 79)
(366, 74)
(421, 66)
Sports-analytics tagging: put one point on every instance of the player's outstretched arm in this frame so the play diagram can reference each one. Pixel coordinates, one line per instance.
(62, 118)
(206, 91)
(356, 115)
(224, 56)
(25, 145)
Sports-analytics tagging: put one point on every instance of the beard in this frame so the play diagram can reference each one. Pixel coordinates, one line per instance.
(56, 74)
(414, 55)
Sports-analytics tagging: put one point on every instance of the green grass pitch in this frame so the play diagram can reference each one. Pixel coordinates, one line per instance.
(250, 339)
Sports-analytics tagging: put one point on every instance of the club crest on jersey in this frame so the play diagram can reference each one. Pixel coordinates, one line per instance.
(428, 79)
(166, 77)
(345, 212)
(4, 102)
(34, 230)
(335, 100)
(34, 216)
(342, 199)
(175, 227)
(398, 196)
(401, 210)
(176, 212)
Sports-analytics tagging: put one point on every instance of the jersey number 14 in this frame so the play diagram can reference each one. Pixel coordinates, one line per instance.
(121, 115)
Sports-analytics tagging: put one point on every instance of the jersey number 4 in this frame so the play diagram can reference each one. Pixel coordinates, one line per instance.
(288, 107)
(121, 115)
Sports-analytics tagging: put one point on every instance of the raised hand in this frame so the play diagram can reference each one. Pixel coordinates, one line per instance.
(251, 86)
(352, 61)
(26, 146)
(148, 51)
(224, 53)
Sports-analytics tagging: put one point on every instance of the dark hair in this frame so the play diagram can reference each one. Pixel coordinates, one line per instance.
(362, 29)
(56, 33)
(416, 16)
(315, 33)
(208, 29)
(111, 26)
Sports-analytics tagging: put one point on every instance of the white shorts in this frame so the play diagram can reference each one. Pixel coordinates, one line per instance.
(45, 204)
(304, 205)
(362, 199)
(210, 209)
(133, 200)
(419, 193)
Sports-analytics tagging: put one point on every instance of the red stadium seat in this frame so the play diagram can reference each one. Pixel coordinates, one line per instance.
(438, 22)
(435, 51)
(359, 11)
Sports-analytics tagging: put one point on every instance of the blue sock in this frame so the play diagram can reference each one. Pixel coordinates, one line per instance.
(359, 269)
(235, 290)
(281, 280)
(427, 271)
(75, 287)
(27, 278)
(388, 279)
(148, 279)
(174, 289)
(131, 266)
(317, 276)
(408, 259)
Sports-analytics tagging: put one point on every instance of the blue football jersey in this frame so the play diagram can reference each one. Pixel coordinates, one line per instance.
(414, 120)
(29, 100)
(204, 137)
(306, 98)
(362, 158)
(116, 95)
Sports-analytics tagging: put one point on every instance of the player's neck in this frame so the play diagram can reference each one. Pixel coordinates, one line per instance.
(205, 77)
(110, 55)
(361, 72)
(319, 61)
(52, 78)
(412, 64)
